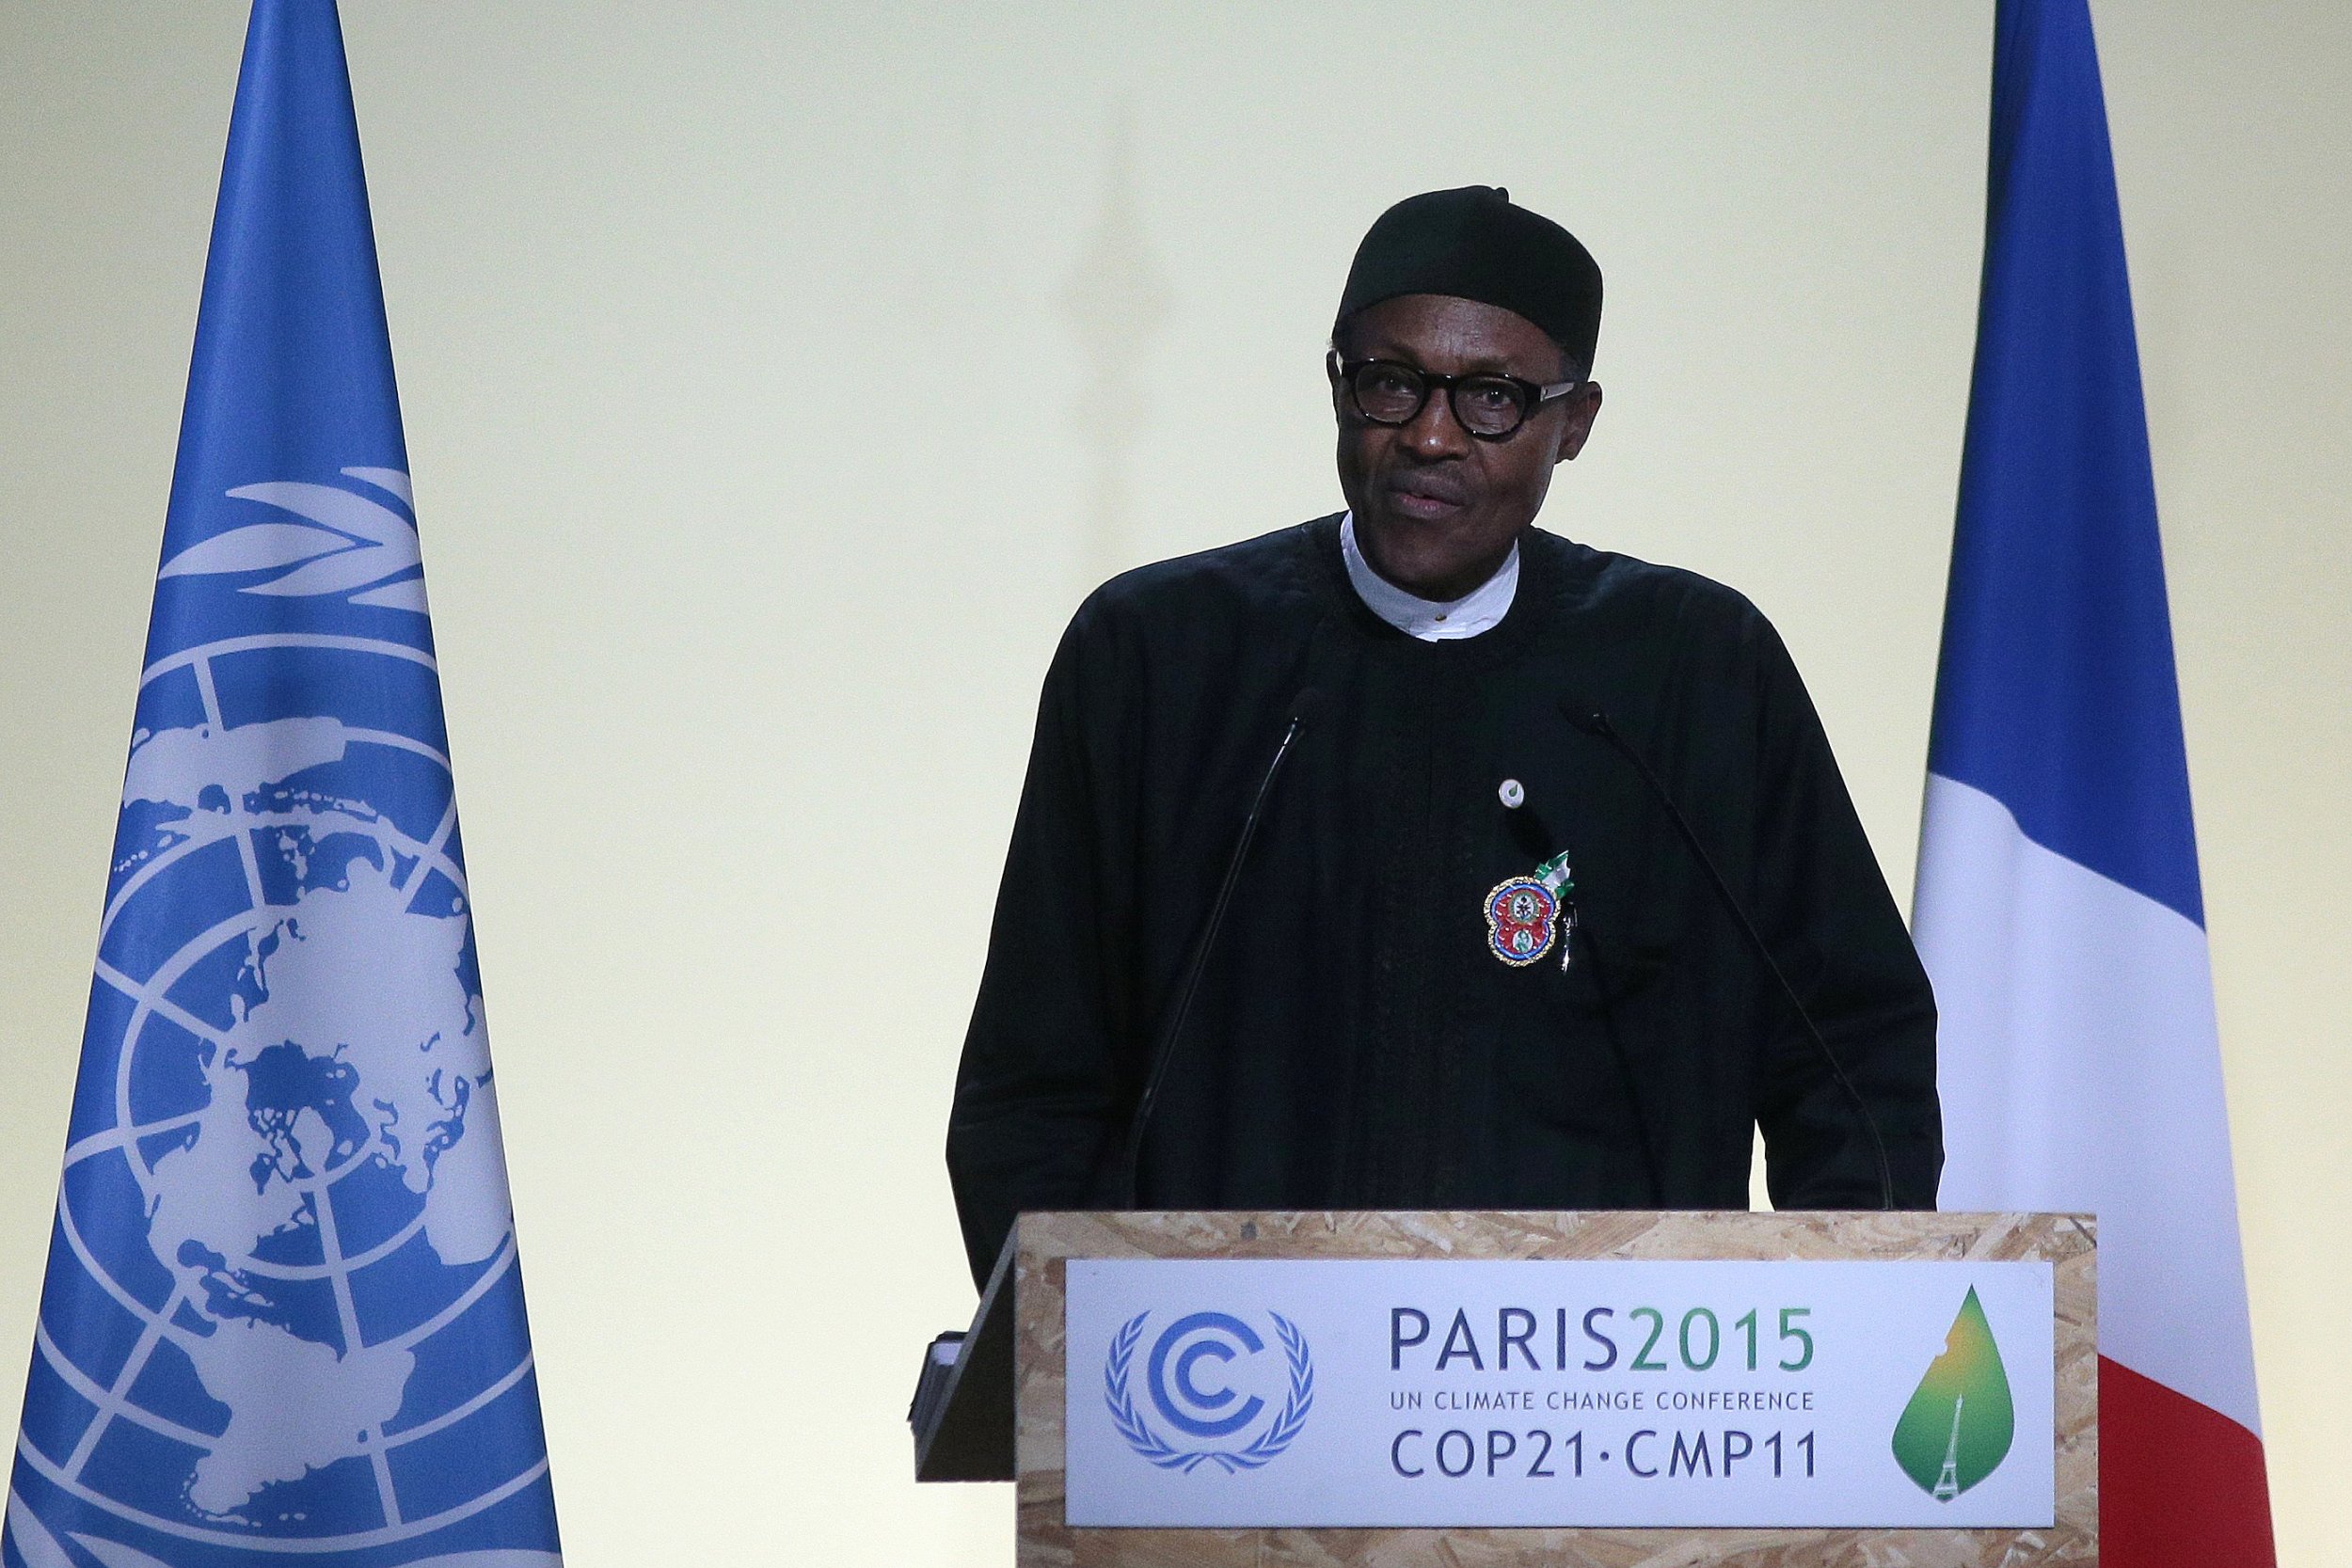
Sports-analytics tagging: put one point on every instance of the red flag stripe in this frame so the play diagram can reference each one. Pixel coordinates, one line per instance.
(2181, 1486)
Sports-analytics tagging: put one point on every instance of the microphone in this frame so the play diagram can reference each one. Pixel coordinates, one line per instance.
(1594, 721)
(1302, 708)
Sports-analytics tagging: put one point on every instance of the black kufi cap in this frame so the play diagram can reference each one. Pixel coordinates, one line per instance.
(1474, 244)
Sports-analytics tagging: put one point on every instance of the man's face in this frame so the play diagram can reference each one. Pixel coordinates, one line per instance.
(1438, 510)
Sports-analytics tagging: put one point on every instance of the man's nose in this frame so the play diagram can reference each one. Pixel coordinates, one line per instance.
(1433, 432)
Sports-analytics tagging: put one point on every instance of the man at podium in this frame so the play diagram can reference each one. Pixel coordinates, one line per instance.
(1418, 857)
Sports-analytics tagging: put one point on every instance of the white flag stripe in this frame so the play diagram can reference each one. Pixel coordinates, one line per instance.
(2092, 1080)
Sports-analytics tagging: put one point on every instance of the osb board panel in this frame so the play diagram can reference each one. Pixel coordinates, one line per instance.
(1045, 1241)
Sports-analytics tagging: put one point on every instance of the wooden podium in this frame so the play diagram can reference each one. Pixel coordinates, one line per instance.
(1004, 1409)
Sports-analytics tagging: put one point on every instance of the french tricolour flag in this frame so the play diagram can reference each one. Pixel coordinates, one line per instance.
(2058, 906)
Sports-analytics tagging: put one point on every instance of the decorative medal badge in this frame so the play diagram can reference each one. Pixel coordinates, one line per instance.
(1521, 915)
(1525, 914)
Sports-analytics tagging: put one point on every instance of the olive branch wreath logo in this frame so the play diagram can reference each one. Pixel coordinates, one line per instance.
(1151, 1446)
(323, 540)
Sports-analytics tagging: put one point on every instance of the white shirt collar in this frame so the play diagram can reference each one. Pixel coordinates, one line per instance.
(1432, 621)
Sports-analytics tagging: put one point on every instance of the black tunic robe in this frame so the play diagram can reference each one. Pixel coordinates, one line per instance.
(1354, 1042)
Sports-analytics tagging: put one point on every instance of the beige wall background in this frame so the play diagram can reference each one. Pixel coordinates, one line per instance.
(777, 378)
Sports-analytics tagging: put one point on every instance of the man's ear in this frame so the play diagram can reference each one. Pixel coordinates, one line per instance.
(1582, 407)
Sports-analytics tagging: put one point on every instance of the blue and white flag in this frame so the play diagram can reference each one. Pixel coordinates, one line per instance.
(283, 1321)
(2060, 909)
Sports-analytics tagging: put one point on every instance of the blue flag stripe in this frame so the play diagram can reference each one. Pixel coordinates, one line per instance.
(2056, 690)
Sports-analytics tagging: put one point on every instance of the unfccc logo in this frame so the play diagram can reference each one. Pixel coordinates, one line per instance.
(1199, 1401)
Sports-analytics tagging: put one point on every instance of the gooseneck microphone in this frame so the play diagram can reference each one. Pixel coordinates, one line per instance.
(1302, 708)
(1594, 721)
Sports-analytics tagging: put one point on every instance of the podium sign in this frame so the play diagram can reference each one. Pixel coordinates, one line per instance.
(1454, 1392)
(1290, 1390)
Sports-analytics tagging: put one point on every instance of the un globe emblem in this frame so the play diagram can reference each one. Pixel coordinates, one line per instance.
(284, 1312)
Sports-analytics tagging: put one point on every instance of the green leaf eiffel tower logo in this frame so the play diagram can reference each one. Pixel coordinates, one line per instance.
(1957, 1428)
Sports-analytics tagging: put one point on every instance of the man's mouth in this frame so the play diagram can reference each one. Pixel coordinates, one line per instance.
(1427, 498)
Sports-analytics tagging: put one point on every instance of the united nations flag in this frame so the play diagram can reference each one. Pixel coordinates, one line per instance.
(283, 1320)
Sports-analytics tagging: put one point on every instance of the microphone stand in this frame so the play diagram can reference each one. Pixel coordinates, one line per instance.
(1594, 721)
(1302, 706)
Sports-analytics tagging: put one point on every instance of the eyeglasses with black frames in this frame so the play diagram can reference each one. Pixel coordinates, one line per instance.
(1489, 405)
